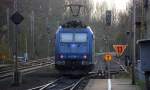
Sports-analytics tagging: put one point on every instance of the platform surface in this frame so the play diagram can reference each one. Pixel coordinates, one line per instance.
(115, 84)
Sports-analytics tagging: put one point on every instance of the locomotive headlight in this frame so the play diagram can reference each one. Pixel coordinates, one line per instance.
(61, 56)
(73, 45)
(85, 57)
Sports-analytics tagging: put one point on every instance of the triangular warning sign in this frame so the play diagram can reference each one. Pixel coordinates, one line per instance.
(119, 49)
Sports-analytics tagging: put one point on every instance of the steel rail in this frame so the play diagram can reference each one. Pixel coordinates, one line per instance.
(77, 84)
(42, 87)
(8, 73)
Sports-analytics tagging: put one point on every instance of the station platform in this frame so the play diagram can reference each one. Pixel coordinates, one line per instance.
(111, 84)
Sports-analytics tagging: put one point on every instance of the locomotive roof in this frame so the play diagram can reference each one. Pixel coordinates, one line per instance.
(87, 29)
(74, 24)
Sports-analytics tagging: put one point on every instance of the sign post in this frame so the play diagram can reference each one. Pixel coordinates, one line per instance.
(16, 18)
(108, 58)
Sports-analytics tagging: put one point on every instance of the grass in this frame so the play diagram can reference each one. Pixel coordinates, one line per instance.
(141, 84)
(123, 75)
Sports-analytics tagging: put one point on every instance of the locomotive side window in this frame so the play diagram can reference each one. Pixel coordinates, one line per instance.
(66, 37)
(80, 37)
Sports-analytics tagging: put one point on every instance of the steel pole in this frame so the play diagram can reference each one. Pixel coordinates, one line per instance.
(8, 24)
(134, 43)
(32, 34)
(16, 71)
(109, 77)
(26, 54)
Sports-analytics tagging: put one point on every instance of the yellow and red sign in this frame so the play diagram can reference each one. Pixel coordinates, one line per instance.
(119, 49)
(107, 57)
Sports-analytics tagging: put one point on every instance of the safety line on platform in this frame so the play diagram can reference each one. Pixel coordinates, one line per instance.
(109, 84)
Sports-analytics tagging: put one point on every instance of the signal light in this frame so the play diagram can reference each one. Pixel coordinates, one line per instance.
(85, 57)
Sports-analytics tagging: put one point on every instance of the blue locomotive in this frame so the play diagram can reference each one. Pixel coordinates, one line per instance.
(74, 48)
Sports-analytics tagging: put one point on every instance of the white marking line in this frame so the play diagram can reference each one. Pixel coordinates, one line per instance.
(109, 84)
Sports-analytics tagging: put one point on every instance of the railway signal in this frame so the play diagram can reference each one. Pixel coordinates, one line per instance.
(119, 49)
(16, 18)
(108, 17)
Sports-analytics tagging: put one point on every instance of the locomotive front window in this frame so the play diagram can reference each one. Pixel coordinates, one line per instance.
(66, 37)
(80, 37)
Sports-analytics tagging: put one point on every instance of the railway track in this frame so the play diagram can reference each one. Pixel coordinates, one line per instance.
(62, 83)
(27, 67)
(65, 83)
